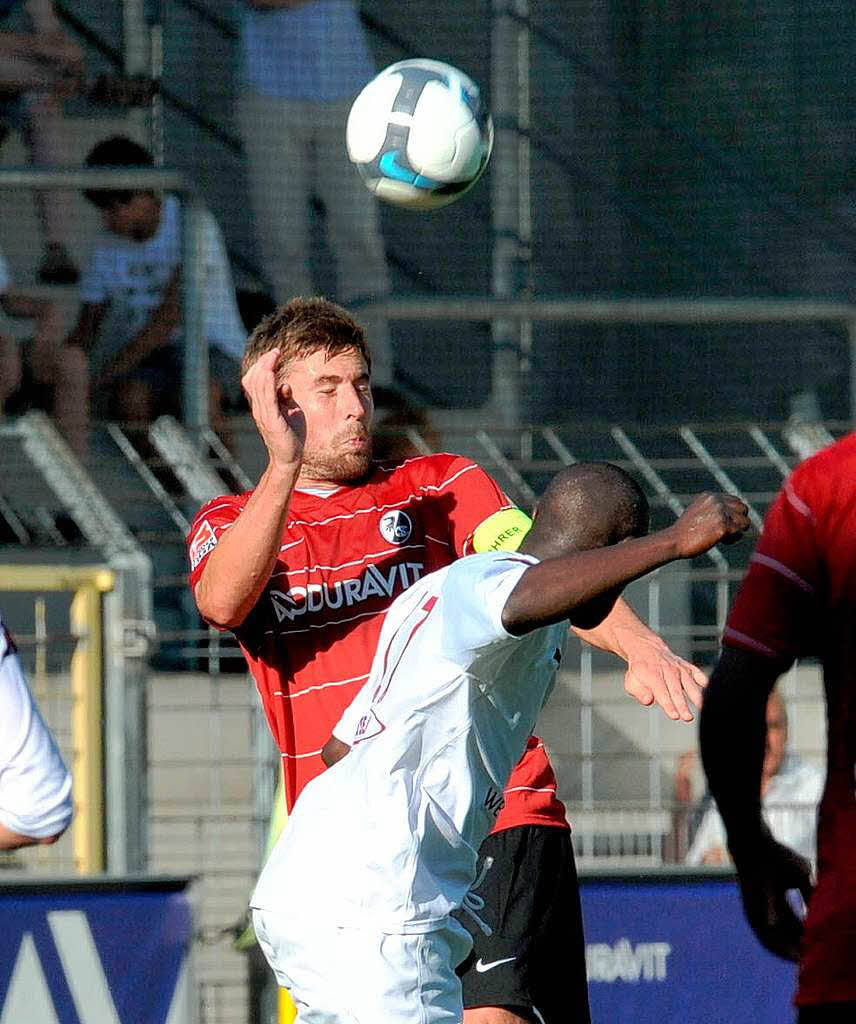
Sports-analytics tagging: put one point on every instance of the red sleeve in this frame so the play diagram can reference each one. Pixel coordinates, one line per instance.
(774, 613)
(210, 522)
(477, 496)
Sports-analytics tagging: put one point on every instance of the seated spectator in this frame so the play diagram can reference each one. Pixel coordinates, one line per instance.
(39, 70)
(130, 320)
(43, 372)
(790, 791)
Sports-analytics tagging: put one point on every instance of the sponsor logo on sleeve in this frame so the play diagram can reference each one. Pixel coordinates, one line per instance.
(204, 540)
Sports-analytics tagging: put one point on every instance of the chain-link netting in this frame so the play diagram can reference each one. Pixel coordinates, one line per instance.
(650, 150)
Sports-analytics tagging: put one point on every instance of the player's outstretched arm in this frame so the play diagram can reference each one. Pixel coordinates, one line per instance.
(583, 586)
(239, 567)
(655, 674)
(35, 784)
(11, 840)
(732, 738)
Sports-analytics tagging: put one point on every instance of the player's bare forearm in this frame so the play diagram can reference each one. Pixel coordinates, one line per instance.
(10, 840)
(239, 567)
(621, 627)
(572, 586)
(582, 586)
(655, 674)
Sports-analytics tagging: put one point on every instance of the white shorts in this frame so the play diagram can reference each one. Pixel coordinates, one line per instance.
(349, 976)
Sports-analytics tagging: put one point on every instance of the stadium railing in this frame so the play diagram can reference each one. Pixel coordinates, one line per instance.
(507, 374)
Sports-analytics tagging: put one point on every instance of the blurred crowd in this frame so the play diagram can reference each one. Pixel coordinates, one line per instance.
(122, 355)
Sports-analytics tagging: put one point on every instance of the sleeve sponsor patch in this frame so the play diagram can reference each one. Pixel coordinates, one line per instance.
(503, 531)
(204, 541)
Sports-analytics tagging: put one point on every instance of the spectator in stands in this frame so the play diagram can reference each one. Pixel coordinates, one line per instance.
(130, 319)
(790, 791)
(35, 785)
(304, 61)
(39, 70)
(43, 372)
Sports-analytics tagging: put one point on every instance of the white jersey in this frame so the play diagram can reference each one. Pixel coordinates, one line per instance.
(35, 785)
(388, 837)
(132, 276)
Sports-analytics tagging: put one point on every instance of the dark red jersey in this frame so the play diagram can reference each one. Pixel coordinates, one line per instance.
(344, 558)
(799, 600)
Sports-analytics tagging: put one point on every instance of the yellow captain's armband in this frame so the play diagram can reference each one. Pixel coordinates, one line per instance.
(503, 531)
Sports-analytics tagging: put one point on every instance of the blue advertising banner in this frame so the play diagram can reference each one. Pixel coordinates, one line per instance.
(676, 949)
(94, 952)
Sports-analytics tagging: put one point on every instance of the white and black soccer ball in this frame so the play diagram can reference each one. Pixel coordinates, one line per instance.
(419, 134)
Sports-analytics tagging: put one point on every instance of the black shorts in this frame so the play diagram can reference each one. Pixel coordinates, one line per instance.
(534, 961)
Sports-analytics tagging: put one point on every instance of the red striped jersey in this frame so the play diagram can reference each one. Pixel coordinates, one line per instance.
(310, 640)
(799, 600)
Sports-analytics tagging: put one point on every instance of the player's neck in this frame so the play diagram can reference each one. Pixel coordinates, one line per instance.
(309, 481)
(318, 490)
(320, 485)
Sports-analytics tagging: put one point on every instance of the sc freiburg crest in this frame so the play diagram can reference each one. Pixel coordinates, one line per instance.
(396, 526)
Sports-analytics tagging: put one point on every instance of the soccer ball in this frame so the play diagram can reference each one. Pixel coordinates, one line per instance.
(419, 134)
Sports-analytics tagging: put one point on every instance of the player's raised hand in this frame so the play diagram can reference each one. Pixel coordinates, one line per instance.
(279, 418)
(710, 519)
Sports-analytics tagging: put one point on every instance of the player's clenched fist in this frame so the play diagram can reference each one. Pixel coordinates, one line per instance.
(709, 520)
(278, 417)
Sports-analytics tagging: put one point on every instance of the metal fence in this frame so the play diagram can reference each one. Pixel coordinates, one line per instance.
(615, 173)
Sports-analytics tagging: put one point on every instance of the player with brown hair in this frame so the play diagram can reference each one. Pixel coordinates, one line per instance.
(303, 568)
